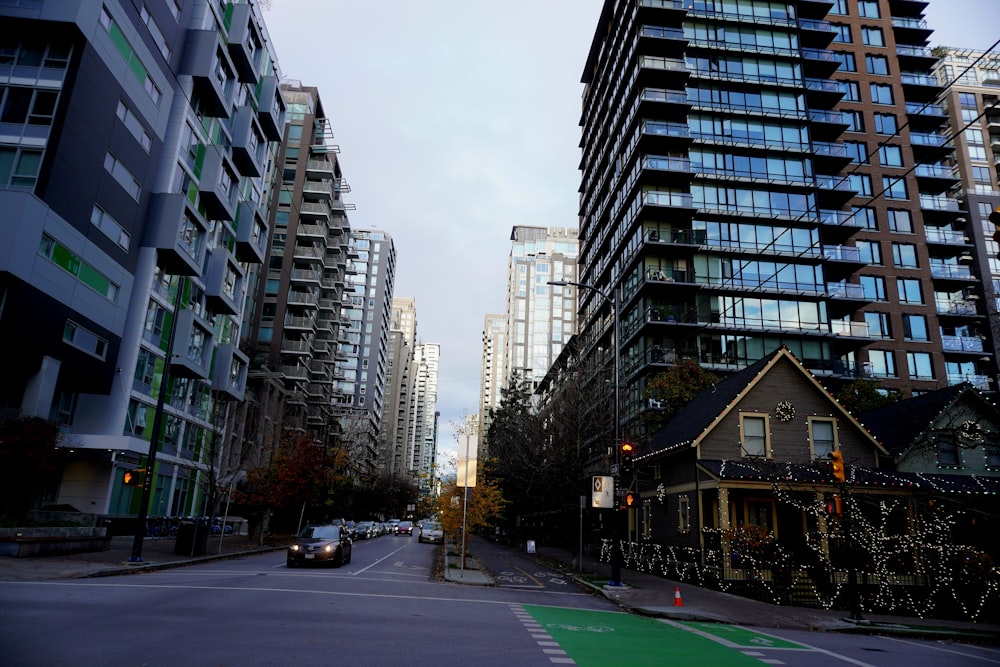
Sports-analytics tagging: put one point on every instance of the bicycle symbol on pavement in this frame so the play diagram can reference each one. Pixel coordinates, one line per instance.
(581, 628)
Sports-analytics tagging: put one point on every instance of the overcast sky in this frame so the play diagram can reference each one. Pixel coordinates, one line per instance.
(458, 119)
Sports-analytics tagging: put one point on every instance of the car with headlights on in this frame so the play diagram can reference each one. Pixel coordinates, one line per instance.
(328, 545)
(403, 528)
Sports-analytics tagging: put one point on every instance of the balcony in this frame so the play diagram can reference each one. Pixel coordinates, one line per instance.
(661, 41)
(178, 233)
(311, 231)
(248, 142)
(961, 344)
(319, 169)
(192, 344)
(224, 283)
(846, 291)
(300, 323)
(935, 177)
(271, 108)
(297, 373)
(917, 57)
(660, 137)
(229, 373)
(302, 298)
(251, 234)
(925, 116)
(299, 276)
(919, 87)
(816, 33)
(850, 329)
(958, 307)
(911, 30)
(951, 272)
(833, 190)
(980, 382)
(219, 185)
(661, 103)
(938, 236)
(841, 253)
(824, 93)
(819, 62)
(211, 70)
(296, 347)
(656, 70)
(244, 43)
(314, 211)
(308, 253)
(317, 190)
(830, 155)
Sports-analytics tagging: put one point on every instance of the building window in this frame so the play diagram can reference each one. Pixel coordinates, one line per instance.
(66, 259)
(885, 123)
(134, 126)
(894, 187)
(871, 252)
(881, 93)
(865, 217)
(122, 175)
(900, 221)
(947, 450)
(858, 151)
(915, 328)
(877, 65)
(84, 339)
(861, 183)
(822, 436)
(873, 288)
(847, 62)
(855, 121)
(918, 365)
(909, 290)
(853, 91)
(683, 514)
(890, 156)
(753, 431)
(114, 231)
(872, 36)
(843, 34)
(904, 255)
(878, 325)
(869, 9)
(19, 166)
(882, 363)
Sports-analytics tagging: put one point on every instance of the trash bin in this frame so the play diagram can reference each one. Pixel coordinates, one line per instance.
(191, 539)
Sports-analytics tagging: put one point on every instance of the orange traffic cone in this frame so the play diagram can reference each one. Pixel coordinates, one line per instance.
(678, 602)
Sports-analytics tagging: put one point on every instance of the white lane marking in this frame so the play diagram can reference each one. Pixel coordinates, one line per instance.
(729, 644)
(392, 553)
(945, 650)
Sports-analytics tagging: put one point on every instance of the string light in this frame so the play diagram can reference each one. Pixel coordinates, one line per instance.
(910, 561)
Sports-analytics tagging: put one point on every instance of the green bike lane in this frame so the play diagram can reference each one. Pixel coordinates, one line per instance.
(608, 638)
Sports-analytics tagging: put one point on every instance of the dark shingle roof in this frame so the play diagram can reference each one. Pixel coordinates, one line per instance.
(899, 424)
(708, 404)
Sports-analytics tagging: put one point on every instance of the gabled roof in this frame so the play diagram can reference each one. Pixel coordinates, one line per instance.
(697, 419)
(901, 424)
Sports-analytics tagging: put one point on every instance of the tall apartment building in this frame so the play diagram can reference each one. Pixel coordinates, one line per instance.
(364, 364)
(392, 459)
(297, 325)
(422, 427)
(538, 322)
(973, 106)
(491, 372)
(757, 174)
(134, 147)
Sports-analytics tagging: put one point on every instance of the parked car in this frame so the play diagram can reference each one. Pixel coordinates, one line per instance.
(320, 544)
(403, 528)
(352, 528)
(365, 530)
(431, 531)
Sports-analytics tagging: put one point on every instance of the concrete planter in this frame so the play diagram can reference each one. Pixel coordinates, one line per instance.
(30, 541)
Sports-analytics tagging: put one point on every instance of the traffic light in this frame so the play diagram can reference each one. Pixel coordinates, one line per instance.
(631, 499)
(134, 477)
(626, 451)
(837, 465)
(834, 506)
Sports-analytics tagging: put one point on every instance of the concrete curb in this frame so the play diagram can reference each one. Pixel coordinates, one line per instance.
(137, 568)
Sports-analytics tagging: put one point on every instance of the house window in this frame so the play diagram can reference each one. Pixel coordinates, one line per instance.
(753, 431)
(822, 434)
(683, 514)
(947, 447)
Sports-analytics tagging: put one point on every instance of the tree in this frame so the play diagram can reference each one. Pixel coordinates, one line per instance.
(30, 459)
(674, 389)
(861, 395)
(485, 503)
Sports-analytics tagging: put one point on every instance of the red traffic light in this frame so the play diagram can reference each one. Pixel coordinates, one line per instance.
(837, 465)
(133, 477)
(631, 499)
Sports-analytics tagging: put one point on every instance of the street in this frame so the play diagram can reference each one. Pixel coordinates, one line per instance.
(386, 608)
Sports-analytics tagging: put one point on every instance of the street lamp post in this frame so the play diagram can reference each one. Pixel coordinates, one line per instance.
(612, 300)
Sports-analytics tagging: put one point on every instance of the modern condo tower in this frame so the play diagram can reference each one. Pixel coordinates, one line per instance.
(758, 174)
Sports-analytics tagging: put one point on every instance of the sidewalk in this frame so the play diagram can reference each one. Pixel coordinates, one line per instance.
(156, 555)
(650, 595)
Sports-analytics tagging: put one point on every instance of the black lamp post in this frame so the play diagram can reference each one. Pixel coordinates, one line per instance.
(612, 300)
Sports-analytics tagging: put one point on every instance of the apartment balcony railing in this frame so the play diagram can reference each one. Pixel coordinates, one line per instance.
(950, 271)
(948, 236)
(938, 203)
(981, 382)
(853, 329)
(956, 307)
(842, 253)
(846, 290)
(961, 344)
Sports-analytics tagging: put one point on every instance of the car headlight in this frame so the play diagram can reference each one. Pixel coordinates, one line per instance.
(328, 547)
(294, 547)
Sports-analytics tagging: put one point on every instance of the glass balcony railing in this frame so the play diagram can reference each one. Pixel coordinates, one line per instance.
(908, 78)
(950, 271)
(949, 236)
(961, 344)
(934, 171)
(909, 50)
(846, 290)
(907, 22)
(955, 307)
(981, 382)
(918, 108)
(854, 329)
(842, 253)
(927, 139)
(938, 203)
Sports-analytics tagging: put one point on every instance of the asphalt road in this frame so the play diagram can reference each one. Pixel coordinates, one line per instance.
(387, 608)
